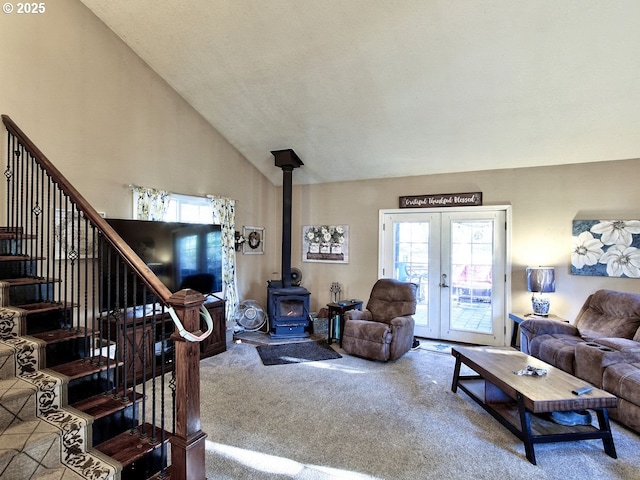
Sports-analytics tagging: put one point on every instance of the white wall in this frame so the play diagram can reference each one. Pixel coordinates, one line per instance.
(544, 202)
(106, 120)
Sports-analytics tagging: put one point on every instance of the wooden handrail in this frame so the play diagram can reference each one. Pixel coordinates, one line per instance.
(128, 255)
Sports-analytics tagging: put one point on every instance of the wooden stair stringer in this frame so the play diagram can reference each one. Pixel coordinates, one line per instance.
(51, 404)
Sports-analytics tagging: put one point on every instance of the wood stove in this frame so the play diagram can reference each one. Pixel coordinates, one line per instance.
(288, 311)
(287, 305)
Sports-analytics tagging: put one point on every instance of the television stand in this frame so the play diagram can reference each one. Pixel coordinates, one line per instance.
(147, 340)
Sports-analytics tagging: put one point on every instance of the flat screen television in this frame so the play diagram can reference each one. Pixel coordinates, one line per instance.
(182, 255)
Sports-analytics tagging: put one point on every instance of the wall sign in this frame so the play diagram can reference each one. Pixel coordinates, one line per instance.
(442, 200)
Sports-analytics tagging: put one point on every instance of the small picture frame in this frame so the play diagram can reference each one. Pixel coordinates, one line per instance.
(253, 240)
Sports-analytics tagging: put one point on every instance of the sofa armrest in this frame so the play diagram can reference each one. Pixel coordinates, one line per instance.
(402, 329)
(620, 344)
(402, 322)
(357, 315)
(533, 327)
(543, 326)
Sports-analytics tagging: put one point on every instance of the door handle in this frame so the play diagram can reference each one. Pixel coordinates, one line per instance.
(443, 284)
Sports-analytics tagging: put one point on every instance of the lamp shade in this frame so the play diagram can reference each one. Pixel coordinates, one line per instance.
(541, 279)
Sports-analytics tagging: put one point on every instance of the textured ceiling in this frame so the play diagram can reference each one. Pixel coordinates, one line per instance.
(386, 88)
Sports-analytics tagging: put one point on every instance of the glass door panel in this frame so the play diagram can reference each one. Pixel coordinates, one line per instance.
(473, 251)
(410, 242)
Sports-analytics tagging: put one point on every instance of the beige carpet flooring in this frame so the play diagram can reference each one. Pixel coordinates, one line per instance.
(355, 419)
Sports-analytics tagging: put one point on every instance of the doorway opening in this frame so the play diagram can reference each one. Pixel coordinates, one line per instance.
(458, 259)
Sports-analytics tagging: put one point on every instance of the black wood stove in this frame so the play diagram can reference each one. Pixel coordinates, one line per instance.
(287, 305)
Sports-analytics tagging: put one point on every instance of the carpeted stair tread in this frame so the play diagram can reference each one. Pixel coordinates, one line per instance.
(27, 446)
(101, 405)
(59, 473)
(7, 362)
(18, 400)
(83, 367)
(127, 448)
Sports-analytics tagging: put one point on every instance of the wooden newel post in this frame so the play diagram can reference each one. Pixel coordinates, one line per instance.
(188, 443)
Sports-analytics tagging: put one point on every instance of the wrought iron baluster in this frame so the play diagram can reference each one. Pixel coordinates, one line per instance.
(133, 356)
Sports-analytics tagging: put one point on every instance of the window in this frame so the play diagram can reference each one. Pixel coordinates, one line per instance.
(189, 209)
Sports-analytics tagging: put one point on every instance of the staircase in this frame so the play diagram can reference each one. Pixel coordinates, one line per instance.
(84, 392)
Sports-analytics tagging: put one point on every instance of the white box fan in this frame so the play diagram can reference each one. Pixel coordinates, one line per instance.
(250, 315)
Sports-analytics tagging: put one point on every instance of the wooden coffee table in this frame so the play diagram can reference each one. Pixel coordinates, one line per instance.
(512, 399)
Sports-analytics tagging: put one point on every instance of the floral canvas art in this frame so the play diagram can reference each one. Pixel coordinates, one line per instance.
(325, 243)
(606, 248)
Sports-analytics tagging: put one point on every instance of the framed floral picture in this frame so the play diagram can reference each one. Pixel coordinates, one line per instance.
(325, 243)
(609, 248)
(253, 240)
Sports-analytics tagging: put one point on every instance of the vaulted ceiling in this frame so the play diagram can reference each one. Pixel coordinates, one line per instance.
(386, 88)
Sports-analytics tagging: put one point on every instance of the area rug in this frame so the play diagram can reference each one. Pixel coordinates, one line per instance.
(435, 346)
(296, 353)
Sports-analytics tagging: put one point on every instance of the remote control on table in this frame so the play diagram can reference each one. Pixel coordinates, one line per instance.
(582, 390)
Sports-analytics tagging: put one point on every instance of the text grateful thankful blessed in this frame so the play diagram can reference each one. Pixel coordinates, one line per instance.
(442, 200)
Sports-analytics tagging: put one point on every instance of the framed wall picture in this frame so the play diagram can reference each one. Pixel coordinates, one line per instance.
(325, 243)
(253, 240)
(73, 235)
(606, 248)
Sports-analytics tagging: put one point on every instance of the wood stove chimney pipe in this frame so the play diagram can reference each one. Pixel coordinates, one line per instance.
(287, 160)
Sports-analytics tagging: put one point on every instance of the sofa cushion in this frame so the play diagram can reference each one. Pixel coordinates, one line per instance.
(593, 358)
(608, 313)
(623, 380)
(627, 413)
(557, 350)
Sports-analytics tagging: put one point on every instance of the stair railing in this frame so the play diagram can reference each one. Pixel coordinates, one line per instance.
(112, 299)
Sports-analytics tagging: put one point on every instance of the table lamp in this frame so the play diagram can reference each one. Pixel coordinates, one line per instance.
(540, 280)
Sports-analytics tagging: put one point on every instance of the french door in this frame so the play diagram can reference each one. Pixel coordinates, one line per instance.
(458, 260)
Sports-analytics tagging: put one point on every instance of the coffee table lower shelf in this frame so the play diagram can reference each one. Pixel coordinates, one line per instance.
(530, 429)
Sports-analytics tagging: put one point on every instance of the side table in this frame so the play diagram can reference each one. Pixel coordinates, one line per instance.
(336, 311)
(518, 318)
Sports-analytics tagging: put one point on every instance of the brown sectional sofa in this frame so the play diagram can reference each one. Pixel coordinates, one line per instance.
(602, 346)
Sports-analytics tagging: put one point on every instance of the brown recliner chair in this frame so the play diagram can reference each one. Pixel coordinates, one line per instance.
(384, 330)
